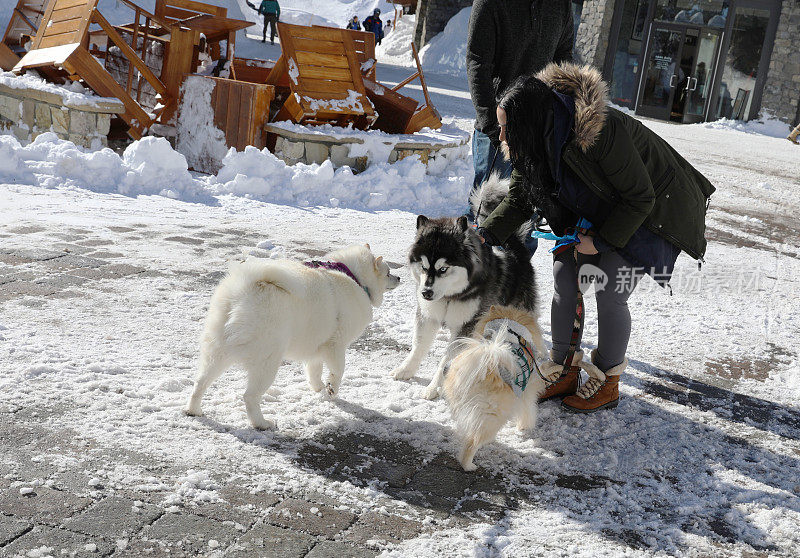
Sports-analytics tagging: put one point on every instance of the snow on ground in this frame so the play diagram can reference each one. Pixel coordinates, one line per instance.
(699, 459)
(700, 456)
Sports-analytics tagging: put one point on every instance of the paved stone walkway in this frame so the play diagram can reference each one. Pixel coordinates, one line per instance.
(71, 514)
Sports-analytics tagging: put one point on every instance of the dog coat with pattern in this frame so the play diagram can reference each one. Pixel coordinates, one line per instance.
(521, 347)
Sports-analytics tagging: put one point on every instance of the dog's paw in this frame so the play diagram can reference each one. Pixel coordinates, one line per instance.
(524, 426)
(330, 391)
(193, 411)
(403, 372)
(469, 466)
(263, 424)
(430, 393)
(316, 386)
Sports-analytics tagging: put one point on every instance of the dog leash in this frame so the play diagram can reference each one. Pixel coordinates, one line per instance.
(563, 243)
(526, 358)
(335, 266)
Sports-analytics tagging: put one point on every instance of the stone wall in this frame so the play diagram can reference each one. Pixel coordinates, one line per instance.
(433, 15)
(782, 88)
(30, 112)
(294, 147)
(591, 42)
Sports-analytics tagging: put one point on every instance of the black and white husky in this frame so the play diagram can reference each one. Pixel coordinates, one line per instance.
(459, 278)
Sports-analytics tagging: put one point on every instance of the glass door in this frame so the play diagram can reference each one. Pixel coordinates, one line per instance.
(662, 71)
(698, 88)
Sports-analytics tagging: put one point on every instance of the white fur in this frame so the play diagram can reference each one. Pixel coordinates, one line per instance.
(453, 281)
(433, 315)
(480, 401)
(266, 311)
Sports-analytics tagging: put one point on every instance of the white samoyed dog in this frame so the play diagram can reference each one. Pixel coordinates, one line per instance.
(267, 311)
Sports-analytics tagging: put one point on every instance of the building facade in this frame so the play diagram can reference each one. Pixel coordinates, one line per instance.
(682, 60)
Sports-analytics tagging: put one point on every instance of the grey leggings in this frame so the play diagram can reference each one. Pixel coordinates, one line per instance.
(613, 316)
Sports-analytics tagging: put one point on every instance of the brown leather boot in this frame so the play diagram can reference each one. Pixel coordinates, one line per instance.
(563, 383)
(601, 390)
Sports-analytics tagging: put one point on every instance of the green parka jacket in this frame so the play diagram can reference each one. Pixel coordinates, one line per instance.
(623, 162)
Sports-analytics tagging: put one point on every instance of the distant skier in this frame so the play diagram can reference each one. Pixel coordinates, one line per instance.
(271, 11)
(374, 25)
(354, 24)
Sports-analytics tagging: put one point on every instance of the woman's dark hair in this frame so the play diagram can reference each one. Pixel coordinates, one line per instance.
(528, 103)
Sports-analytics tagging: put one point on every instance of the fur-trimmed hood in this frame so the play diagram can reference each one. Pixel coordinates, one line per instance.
(586, 86)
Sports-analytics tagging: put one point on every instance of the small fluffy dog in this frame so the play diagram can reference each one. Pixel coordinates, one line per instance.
(494, 377)
(265, 311)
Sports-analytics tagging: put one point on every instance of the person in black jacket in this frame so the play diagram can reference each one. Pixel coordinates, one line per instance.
(507, 40)
(374, 24)
(632, 200)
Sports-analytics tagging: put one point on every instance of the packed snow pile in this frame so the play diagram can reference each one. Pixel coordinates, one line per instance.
(766, 124)
(406, 184)
(395, 49)
(151, 167)
(72, 93)
(446, 53)
(197, 137)
(148, 166)
(12, 167)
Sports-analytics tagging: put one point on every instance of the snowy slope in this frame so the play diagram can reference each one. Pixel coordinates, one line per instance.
(444, 54)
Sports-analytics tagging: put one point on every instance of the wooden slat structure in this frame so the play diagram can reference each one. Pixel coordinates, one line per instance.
(252, 70)
(64, 47)
(176, 11)
(240, 110)
(321, 69)
(22, 27)
(365, 51)
(398, 114)
(61, 49)
(65, 22)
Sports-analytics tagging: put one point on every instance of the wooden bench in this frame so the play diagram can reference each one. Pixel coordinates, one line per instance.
(66, 48)
(22, 27)
(398, 114)
(320, 68)
(60, 50)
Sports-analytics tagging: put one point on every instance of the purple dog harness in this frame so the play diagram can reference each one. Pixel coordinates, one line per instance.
(335, 266)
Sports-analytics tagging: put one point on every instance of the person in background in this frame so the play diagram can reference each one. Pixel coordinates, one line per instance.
(387, 27)
(374, 25)
(507, 40)
(271, 11)
(354, 24)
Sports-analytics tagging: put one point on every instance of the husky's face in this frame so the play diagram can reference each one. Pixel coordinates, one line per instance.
(443, 257)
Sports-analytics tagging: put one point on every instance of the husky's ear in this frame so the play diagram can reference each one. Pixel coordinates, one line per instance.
(462, 223)
(422, 221)
(377, 262)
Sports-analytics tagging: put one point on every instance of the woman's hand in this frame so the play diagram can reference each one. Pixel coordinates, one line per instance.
(586, 245)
